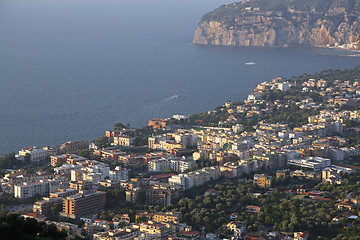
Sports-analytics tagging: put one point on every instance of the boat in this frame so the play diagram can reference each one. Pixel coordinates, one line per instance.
(250, 63)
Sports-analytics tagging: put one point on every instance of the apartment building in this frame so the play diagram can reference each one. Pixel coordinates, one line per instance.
(83, 203)
(263, 180)
(160, 216)
(123, 140)
(159, 165)
(119, 174)
(181, 164)
(314, 163)
(34, 153)
(185, 181)
(43, 207)
(29, 190)
(74, 147)
(59, 159)
(162, 194)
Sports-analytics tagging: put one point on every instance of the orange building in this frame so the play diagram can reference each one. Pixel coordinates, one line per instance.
(157, 123)
(83, 203)
(57, 159)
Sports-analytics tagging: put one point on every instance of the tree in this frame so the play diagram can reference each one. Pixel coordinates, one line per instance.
(142, 219)
(119, 126)
(27, 158)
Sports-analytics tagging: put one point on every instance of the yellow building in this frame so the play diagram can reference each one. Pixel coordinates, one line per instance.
(263, 180)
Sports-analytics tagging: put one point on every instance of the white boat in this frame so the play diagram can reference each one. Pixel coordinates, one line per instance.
(250, 63)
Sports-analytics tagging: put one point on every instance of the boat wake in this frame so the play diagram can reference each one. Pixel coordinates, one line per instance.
(170, 98)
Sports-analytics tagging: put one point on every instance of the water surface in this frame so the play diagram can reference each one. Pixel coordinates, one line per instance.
(70, 69)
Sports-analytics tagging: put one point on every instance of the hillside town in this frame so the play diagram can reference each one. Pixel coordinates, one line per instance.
(257, 169)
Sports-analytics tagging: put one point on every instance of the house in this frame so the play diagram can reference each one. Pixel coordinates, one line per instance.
(239, 228)
(345, 205)
(233, 216)
(253, 209)
(121, 218)
(300, 236)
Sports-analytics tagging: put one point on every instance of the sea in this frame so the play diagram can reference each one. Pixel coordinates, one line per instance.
(71, 69)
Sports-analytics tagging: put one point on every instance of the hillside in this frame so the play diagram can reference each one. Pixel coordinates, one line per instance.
(281, 23)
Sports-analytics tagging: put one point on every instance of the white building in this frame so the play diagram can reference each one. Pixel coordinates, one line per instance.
(180, 117)
(77, 175)
(331, 175)
(203, 175)
(184, 180)
(35, 154)
(314, 163)
(94, 177)
(283, 86)
(119, 174)
(185, 139)
(182, 164)
(238, 128)
(28, 190)
(253, 97)
(123, 140)
(159, 165)
(66, 168)
(99, 168)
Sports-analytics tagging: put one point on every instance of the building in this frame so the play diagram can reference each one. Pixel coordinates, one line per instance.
(115, 184)
(63, 193)
(83, 203)
(158, 123)
(57, 160)
(160, 216)
(74, 159)
(119, 174)
(238, 228)
(181, 164)
(29, 190)
(117, 234)
(283, 86)
(132, 195)
(161, 194)
(155, 230)
(346, 205)
(43, 207)
(159, 165)
(185, 181)
(331, 175)
(66, 169)
(263, 180)
(282, 174)
(314, 163)
(123, 140)
(253, 209)
(34, 154)
(71, 229)
(121, 218)
(112, 154)
(187, 234)
(74, 147)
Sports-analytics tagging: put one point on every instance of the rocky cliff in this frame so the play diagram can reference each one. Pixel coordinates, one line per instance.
(282, 23)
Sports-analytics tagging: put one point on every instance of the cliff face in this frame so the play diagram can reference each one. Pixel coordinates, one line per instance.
(281, 23)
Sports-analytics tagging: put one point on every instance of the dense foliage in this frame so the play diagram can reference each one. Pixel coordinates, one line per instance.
(14, 227)
(9, 161)
(281, 211)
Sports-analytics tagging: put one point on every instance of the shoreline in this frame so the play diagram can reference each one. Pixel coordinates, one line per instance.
(355, 53)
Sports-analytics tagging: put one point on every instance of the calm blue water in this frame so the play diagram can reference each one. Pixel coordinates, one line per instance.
(70, 69)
